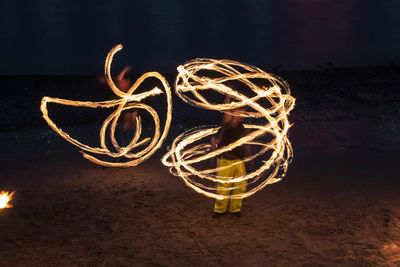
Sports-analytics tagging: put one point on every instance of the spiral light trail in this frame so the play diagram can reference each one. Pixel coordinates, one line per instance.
(262, 97)
(127, 100)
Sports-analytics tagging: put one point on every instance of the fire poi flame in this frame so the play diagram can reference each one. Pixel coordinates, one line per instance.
(5, 197)
(127, 100)
(265, 96)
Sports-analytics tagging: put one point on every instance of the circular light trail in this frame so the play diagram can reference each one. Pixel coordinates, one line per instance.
(262, 97)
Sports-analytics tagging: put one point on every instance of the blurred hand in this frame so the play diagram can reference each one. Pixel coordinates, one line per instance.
(126, 69)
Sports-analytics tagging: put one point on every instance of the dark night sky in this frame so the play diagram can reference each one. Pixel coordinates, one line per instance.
(73, 37)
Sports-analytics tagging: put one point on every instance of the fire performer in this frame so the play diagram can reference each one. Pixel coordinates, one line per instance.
(232, 129)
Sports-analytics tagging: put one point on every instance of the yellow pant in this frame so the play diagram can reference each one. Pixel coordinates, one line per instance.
(238, 170)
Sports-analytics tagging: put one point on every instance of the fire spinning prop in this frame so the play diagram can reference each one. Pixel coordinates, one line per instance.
(5, 197)
(127, 100)
(260, 96)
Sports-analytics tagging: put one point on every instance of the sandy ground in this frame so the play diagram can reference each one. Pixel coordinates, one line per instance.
(334, 208)
(338, 205)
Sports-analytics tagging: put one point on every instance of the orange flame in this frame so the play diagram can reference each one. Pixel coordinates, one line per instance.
(192, 85)
(5, 197)
(127, 100)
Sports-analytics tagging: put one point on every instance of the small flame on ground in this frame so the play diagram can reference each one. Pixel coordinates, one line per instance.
(5, 197)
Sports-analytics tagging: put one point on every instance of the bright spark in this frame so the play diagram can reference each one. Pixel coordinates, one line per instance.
(5, 197)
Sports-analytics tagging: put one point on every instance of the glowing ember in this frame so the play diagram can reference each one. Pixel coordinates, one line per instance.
(256, 94)
(5, 197)
(127, 100)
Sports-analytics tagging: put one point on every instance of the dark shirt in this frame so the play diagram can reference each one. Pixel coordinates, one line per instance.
(227, 135)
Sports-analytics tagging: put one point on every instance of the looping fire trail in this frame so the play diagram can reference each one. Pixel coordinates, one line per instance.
(126, 101)
(262, 97)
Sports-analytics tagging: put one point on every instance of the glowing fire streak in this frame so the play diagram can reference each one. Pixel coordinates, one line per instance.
(184, 154)
(127, 101)
(5, 197)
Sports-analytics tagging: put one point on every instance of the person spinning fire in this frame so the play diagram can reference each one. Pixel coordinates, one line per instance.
(232, 130)
(127, 120)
